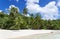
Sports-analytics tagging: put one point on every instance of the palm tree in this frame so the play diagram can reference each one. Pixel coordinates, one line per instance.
(25, 11)
(13, 11)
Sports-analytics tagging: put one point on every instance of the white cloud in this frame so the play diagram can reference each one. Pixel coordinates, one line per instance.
(26, 15)
(50, 11)
(11, 6)
(58, 5)
(0, 10)
(32, 1)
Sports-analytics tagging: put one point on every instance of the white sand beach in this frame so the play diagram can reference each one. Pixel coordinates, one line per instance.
(41, 36)
(6, 34)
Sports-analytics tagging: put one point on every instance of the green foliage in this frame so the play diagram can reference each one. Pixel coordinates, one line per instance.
(17, 21)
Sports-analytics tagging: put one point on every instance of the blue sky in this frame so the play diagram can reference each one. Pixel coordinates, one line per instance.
(44, 2)
(6, 3)
(21, 3)
(35, 6)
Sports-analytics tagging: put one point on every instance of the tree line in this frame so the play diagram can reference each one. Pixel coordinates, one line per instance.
(16, 21)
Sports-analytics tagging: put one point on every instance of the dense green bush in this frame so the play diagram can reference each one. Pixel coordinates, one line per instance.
(15, 21)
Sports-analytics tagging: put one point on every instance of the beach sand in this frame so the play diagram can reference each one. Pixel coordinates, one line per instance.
(36, 36)
(23, 34)
(29, 34)
(52, 35)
